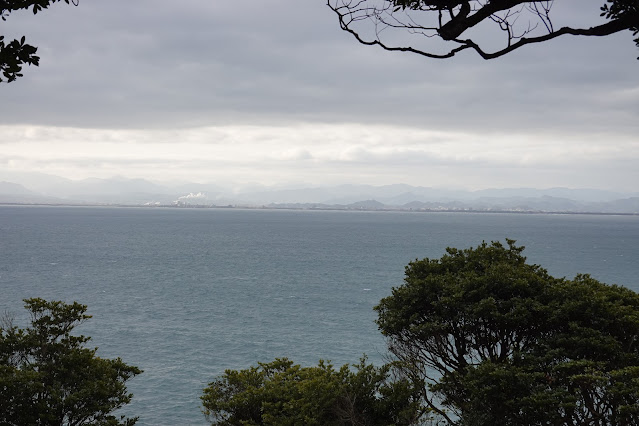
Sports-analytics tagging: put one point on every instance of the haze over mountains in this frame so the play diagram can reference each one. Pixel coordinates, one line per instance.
(32, 188)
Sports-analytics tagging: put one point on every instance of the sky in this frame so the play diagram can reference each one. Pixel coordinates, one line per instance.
(272, 92)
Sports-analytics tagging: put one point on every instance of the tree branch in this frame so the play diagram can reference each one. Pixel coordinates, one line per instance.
(455, 17)
(608, 28)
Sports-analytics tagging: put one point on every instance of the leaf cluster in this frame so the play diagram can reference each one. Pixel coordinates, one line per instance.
(13, 55)
(49, 377)
(617, 9)
(16, 53)
(8, 6)
(283, 393)
(496, 340)
(427, 4)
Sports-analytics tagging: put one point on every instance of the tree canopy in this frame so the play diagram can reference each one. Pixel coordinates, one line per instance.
(16, 53)
(283, 393)
(49, 377)
(478, 337)
(491, 339)
(416, 25)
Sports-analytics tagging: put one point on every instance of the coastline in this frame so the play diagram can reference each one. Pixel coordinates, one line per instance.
(323, 208)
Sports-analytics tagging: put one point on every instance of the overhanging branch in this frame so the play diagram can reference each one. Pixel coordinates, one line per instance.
(608, 28)
(450, 19)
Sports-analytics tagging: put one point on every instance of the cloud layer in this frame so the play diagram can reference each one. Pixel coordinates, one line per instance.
(274, 92)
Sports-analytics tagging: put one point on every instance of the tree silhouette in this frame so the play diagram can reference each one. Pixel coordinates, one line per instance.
(416, 25)
(16, 53)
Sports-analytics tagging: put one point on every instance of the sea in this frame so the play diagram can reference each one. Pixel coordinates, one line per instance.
(186, 293)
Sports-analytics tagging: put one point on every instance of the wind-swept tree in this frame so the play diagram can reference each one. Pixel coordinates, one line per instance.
(416, 25)
(16, 53)
(48, 376)
(491, 339)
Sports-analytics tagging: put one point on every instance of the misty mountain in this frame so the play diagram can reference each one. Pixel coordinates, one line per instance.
(541, 203)
(41, 188)
(588, 195)
(8, 188)
(625, 205)
(18, 194)
(398, 195)
(367, 205)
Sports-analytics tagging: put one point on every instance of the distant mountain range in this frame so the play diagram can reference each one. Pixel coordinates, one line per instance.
(32, 188)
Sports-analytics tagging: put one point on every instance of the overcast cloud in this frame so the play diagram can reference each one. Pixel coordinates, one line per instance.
(272, 91)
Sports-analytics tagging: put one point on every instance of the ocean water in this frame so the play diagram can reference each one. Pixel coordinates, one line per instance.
(186, 293)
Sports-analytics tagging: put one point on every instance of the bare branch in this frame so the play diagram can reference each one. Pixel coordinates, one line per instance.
(523, 22)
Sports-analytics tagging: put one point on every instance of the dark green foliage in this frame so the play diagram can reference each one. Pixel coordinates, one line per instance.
(48, 377)
(495, 340)
(16, 53)
(281, 393)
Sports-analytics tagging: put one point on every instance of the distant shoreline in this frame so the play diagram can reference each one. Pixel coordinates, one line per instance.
(323, 208)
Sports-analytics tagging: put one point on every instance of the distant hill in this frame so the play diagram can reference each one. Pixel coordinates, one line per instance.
(17, 194)
(8, 188)
(44, 189)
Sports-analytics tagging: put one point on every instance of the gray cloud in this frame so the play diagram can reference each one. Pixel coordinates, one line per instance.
(202, 73)
(151, 64)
